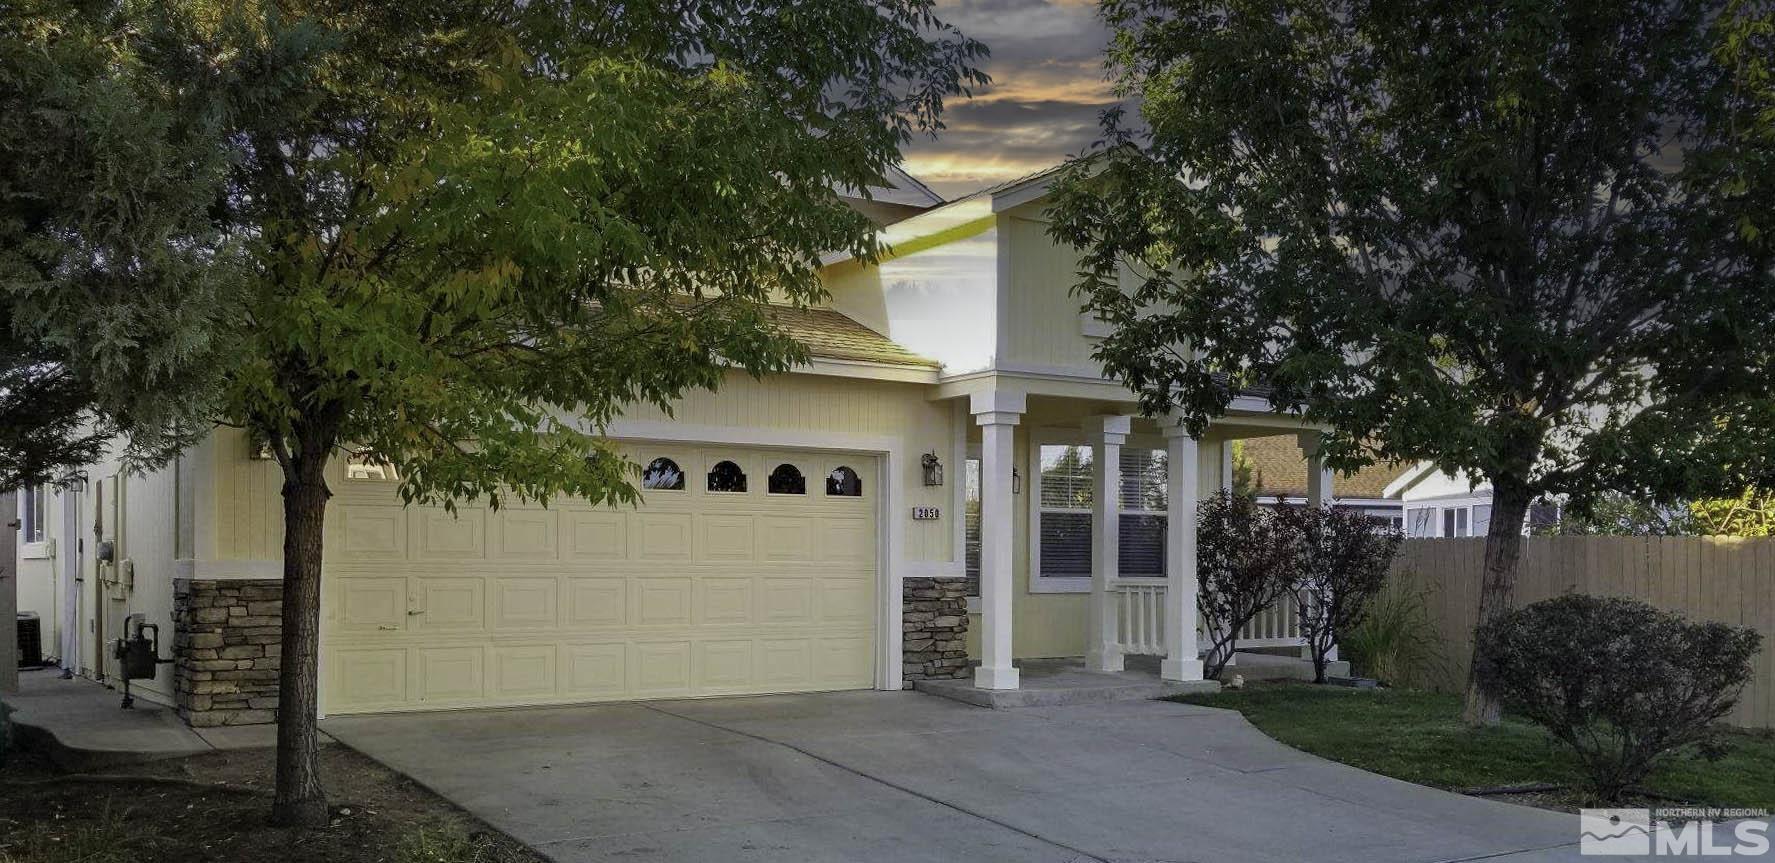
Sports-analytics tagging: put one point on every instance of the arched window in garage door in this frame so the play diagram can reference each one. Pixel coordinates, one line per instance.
(844, 482)
(787, 479)
(727, 476)
(662, 474)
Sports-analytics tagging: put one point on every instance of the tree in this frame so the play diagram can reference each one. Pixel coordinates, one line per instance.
(1244, 562)
(116, 290)
(1509, 239)
(1749, 514)
(1617, 514)
(1339, 566)
(472, 232)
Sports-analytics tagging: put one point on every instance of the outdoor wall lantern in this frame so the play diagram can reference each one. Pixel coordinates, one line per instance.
(933, 469)
(1016, 481)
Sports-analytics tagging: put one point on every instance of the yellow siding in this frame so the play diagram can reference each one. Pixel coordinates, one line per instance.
(1041, 317)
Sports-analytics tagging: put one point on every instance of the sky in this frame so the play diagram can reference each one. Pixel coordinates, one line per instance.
(1048, 88)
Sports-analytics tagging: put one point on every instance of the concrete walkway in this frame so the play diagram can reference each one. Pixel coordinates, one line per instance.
(82, 726)
(907, 777)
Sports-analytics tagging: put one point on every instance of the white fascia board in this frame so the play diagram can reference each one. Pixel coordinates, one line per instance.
(930, 223)
(837, 368)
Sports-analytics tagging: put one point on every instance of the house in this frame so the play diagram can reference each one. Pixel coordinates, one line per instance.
(796, 532)
(1279, 477)
(1441, 504)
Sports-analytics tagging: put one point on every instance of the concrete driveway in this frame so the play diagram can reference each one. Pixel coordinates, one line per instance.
(884, 776)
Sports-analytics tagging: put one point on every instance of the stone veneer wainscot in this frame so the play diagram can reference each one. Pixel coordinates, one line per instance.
(227, 646)
(934, 630)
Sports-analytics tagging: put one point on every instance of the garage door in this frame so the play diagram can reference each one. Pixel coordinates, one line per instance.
(744, 571)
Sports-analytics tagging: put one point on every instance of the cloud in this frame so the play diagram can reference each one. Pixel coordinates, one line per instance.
(1047, 92)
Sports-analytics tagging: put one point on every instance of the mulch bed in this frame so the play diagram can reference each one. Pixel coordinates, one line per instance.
(214, 807)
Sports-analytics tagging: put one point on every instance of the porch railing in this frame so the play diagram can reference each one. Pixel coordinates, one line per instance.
(1140, 620)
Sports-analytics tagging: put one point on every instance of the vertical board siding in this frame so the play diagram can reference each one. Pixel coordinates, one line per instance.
(1728, 579)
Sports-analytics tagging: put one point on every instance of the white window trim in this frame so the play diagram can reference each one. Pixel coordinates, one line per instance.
(1032, 487)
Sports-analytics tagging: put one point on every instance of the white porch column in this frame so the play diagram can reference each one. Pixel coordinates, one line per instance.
(1318, 475)
(997, 413)
(1107, 434)
(1182, 661)
(1319, 479)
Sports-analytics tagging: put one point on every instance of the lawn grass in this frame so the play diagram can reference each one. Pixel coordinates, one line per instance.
(1418, 736)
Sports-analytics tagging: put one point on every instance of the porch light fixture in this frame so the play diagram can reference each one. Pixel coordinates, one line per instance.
(1016, 481)
(933, 469)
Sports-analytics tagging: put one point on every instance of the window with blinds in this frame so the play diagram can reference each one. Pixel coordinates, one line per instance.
(1063, 497)
(971, 523)
(1142, 529)
(1064, 502)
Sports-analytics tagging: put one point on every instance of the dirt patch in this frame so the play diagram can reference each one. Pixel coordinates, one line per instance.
(214, 807)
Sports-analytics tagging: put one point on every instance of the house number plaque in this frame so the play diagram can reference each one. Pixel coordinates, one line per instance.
(926, 513)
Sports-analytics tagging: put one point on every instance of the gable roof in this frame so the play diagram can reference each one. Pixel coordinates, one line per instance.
(1279, 468)
(831, 335)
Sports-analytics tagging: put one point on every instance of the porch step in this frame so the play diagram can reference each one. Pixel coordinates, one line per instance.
(1057, 684)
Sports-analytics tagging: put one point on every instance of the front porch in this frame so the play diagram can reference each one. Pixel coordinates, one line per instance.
(1062, 682)
(1076, 495)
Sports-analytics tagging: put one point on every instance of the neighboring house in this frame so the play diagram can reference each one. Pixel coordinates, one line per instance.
(1440, 504)
(1279, 476)
(951, 412)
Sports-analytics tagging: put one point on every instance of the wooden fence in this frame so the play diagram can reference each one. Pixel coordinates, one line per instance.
(1703, 578)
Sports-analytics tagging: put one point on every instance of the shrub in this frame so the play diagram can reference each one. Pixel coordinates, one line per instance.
(1621, 683)
(1395, 642)
(1340, 562)
(1244, 555)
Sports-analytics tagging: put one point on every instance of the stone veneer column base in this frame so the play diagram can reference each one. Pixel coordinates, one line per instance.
(934, 629)
(227, 647)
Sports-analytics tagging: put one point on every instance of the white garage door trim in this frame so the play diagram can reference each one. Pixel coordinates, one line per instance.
(885, 499)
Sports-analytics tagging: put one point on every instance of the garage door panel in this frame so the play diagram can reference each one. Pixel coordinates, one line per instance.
(689, 593)
(663, 536)
(525, 603)
(662, 667)
(786, 663)
(439, 535)
(786, 538)
(847, 540)
(725, 666)
(371, 532)
(523, 672)
(597, 602)
(450, 604)
(525, 534)
(788, 600)
(369, 604)
(596, 535)
(662, 602)
(448, 673)
(846, 601)
(841, 661)
(595, 670)
(367, 678)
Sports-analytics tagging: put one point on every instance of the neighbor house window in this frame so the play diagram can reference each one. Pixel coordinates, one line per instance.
(1454, 522)
(33, 512)
(368, 465)
(1142, 530)
(662, 474)
(970, 520)
(726, 476)
(844, 482)
(786, 479)
(1421, 522)
(1064, 501)
(1481, 518)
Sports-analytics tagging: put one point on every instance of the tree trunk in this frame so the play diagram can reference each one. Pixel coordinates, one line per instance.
(300, 801)
(1503, 554)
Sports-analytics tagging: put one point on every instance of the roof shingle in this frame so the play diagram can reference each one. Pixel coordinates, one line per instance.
(829, 334)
